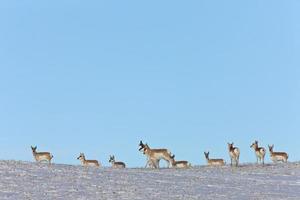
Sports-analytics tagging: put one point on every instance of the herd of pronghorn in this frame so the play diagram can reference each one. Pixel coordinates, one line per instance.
(155, 155)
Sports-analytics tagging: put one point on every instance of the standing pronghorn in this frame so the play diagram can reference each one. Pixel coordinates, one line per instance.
(116, 164)
(87, 163)
(155, 155)
(41, 156)
(278, 156)
(180, 164)
(213, 162)
(234, 154)
(151, 162)
(260, 152)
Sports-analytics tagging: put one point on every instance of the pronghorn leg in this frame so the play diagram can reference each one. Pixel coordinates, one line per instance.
(169, 164)
(153, 164)
(260, 159)
(231, 161)
(157, 164)
(147, 163)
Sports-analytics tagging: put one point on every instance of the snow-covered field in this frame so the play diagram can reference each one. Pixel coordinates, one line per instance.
(24, 180)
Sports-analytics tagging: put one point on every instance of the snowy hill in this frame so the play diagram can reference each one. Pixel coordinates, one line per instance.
(24, 180)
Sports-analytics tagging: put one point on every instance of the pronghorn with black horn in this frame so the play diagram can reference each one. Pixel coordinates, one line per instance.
(180, 164)
(155, 155)
(260, 152)
(41, 156)
(234, 154)
(151, 163)
(115, 164)
(213, 162)
(86, 163)
(278, 156)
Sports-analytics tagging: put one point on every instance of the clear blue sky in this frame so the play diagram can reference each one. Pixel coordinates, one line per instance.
(98, 76)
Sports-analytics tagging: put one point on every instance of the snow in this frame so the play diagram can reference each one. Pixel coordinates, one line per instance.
(25, 180)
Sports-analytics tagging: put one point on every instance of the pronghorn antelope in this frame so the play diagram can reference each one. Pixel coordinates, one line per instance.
(116, 164)
(151, 162)
(41, 156)
(87, 163)
(180, 164)
(234, 154)
(260, 152)
(213, 162)
(155, 155)
(277, 156)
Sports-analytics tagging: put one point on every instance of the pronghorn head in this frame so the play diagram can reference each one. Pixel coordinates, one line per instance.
(146, 148)
(173, 162)
(111, 159)
(141, 145)
(230, 146)
(271, 148)
(254, 145)
(206, 155)
(81, 156)
(33, 148)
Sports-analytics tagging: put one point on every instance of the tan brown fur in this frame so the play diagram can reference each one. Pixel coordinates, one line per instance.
(155, 155)
(117, 165)
(213, 162)
(180, 164)
(260, 152)
(234, 154)
(151, 162)
(41, 156)
(86, 163)
(278, 156)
